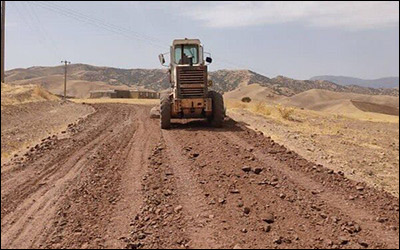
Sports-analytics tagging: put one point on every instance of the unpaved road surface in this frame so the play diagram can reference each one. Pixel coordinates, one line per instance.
(117, 181)
(26, 124)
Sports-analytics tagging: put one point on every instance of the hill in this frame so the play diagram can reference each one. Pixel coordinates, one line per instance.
(83, 78)
(254, 91)
(329, 101)
(13, 95)
(386, 82)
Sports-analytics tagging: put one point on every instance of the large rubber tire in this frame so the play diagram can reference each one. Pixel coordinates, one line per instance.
(218, 116)
(165, 112)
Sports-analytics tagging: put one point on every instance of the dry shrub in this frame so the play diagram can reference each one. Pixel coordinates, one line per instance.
(246, 99)
(261, 108)
(41, 93)
(285, 112)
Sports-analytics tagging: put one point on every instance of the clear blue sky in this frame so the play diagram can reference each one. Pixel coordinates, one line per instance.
(296, 39)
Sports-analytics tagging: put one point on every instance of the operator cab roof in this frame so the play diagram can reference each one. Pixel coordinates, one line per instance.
(186, 41)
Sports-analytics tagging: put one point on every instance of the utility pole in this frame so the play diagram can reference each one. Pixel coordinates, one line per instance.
(3, 36)
(65, 77)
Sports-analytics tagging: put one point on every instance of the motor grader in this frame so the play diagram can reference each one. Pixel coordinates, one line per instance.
(189, 96)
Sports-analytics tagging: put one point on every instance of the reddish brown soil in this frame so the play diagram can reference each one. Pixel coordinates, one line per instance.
(118, 181)
(26, 124)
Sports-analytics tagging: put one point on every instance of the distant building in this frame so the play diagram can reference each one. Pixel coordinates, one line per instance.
(144, 94)
(116, 93)
(103, 94)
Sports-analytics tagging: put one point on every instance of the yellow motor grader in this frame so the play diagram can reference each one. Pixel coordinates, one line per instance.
(190, 96)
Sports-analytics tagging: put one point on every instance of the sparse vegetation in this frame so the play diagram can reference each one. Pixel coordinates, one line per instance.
(261, 108)
(285, 112)
(14, 95)
(326, 137)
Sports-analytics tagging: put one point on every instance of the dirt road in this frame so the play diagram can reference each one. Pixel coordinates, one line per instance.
(115, 180)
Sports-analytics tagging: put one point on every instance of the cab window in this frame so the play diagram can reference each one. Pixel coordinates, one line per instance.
(183, 54)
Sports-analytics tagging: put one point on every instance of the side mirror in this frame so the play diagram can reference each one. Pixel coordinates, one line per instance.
(161, 58)
(209, 59)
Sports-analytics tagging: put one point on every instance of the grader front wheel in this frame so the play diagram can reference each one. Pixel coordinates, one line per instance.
(217, 118)
(165, 112)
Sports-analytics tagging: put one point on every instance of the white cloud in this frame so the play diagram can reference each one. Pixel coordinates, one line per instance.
(347, 15)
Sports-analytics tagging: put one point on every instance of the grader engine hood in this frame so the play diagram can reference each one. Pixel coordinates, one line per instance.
(191, 81)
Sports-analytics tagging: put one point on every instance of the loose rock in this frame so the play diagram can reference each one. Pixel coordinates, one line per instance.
(246, 169)
(257, 170)
(360, 188)
(343, 240)
(381, 219)
(269, 218)
(178, 209)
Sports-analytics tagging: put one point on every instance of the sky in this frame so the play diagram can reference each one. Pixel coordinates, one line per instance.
(294, 39)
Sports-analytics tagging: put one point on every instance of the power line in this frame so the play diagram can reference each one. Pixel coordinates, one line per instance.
(144, 36)
(30, 10)
(21, 9)
(98, 23)
(22, 16)
(111, 27)
(127, 33)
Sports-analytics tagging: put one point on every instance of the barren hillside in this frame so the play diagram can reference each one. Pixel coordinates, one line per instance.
(323, 100)
(157, 79)
(12, 95)
(254, 91)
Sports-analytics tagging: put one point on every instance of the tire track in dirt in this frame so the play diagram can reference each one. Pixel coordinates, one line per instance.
(87, 209)
(21, 179)
(158, 224)
(39, 200)
(173, 214)
(191, 196)
(136, 159)
(38, 209)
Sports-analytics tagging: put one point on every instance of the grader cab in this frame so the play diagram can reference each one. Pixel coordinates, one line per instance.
(190, 96)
